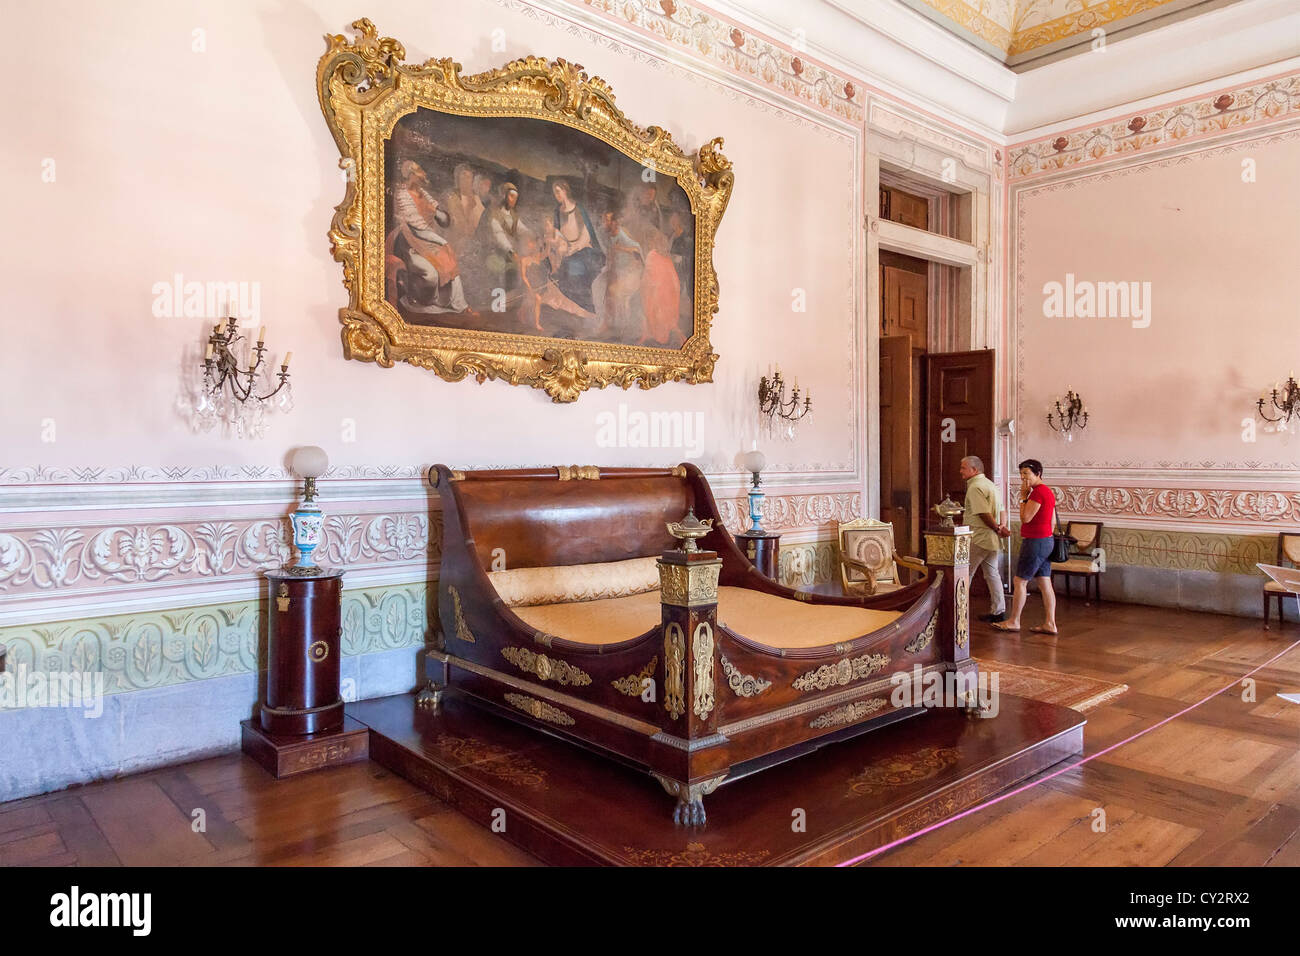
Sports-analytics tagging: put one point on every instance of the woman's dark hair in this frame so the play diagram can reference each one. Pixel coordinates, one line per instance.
(1033, 464)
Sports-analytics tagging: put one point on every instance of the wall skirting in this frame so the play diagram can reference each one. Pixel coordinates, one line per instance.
(49, 748)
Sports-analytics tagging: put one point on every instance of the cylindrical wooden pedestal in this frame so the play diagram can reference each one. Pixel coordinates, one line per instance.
(303, 653)
(763, 550)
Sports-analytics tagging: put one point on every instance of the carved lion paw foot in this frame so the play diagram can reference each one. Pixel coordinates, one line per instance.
(689, 813)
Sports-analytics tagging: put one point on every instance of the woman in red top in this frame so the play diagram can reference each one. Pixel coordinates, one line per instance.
(1037, 516)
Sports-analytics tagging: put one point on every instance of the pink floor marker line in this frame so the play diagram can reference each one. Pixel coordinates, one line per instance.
(1074, 766)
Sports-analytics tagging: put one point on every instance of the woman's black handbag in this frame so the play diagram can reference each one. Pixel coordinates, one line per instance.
(1061, 543)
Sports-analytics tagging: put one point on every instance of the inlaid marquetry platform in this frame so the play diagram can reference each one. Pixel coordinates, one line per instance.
(567, 806)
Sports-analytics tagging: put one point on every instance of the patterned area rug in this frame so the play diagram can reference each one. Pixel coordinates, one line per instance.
(1068, 690)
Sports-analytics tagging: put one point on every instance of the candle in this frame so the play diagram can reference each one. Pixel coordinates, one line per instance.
(209, 352)
(287, 356)
(261, 336)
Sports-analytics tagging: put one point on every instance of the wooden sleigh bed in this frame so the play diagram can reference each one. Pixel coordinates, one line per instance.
(565, 604)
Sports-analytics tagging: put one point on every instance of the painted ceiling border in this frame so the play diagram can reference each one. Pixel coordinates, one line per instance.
(647, 18)
(1226, 109)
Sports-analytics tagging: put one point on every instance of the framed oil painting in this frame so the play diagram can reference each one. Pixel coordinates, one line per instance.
(515, 225)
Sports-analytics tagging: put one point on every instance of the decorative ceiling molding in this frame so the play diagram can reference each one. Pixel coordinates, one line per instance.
(723, 43)
(1210, 114)
(917, 56)
(1010, 29)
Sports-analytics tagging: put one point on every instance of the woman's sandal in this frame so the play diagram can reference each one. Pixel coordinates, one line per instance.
(1001, 626)
(1042, 629)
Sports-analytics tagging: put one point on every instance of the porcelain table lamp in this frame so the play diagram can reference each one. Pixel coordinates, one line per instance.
(309, 462)
(754, 461)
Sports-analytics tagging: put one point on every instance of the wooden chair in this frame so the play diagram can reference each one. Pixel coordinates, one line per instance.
(868, 562)
(1288, 554)
(1087, 559)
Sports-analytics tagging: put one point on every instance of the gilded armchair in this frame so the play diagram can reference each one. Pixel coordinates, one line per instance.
(868, 562)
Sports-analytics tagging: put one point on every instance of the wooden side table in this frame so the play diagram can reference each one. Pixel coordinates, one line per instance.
(763, 550)
(300, 723)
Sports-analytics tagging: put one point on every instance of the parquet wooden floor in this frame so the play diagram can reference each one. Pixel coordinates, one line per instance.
(1219, 785)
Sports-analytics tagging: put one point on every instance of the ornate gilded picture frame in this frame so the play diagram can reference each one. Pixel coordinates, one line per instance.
(515, 225)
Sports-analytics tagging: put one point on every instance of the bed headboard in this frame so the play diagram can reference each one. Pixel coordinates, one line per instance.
(560, 516)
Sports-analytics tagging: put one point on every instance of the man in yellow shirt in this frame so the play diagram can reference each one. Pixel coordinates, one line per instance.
(983, 513)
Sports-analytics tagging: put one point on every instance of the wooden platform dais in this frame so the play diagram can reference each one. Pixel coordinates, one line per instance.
(567, 806)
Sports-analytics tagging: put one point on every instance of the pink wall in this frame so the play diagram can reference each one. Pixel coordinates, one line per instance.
(218, 165)
(1219, 255)
(1199, 200)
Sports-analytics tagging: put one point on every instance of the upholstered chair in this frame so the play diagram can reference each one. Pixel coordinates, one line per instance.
(1288, 555)
(868, 562)
(1087, 559)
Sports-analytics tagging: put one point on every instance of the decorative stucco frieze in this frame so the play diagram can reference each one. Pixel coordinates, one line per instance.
(793, 512)
(87, 557)
(1186, 504)
(160, 648)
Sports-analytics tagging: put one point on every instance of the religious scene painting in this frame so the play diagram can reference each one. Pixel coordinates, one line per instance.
(528, 227)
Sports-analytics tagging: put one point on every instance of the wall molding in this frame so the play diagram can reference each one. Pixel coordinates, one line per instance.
(141, 651)
(1229, 509)
(1253, 106)
(58, 565)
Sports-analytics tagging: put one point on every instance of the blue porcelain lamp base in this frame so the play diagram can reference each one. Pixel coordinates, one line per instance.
(756, 510)
(308, 526)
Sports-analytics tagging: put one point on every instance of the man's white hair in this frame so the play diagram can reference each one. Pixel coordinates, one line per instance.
(974, 461)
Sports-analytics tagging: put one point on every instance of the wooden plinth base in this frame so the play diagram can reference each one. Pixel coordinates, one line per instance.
(286, 756)
(567, 806)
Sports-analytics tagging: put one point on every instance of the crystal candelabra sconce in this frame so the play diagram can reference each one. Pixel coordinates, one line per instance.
(754, 461)
(237, 392)
(1285, 401)
(1070, 416)
(309, 463)
(776, 408)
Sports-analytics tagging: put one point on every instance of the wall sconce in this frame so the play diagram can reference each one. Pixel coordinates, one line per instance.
(773, 404)
(309, 462)
(754, 461)
(1284, 399)
(1068, 417)
(229, 390)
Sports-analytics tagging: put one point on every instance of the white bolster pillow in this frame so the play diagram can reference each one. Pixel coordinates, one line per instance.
(565, 584)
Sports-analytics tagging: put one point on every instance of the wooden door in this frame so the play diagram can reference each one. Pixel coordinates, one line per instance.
(899, 466)
(909, 209)
(904, 297)
(958, 421)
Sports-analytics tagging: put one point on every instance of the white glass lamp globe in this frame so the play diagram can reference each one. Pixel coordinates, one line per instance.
(754, 461)
(310, 461)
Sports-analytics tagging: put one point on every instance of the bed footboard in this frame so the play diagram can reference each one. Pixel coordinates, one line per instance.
(738, 706)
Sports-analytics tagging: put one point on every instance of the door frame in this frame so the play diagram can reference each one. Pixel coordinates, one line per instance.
(976, 294)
